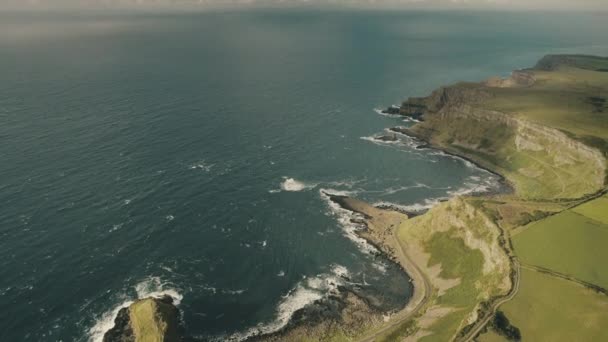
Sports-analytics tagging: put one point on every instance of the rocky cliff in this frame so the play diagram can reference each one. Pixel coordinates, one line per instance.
(539, 160)
(149, 320)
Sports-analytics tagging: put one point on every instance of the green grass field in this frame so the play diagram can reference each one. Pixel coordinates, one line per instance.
(596, 209)
(551, 309)
(568, 243)
(491, 336)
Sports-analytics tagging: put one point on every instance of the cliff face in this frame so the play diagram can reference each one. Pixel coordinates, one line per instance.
(540, 161)
(518, 78)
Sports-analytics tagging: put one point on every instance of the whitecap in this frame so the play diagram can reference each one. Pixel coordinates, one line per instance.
(169, 218)
(154, 287)
(379, 112)
(403, 141)
(293, 185)
(306, 292)
(106, 322)
(415, 208)
(233, 292)
(380, 266)
(281, 273)
(115, 227)
(201, 165)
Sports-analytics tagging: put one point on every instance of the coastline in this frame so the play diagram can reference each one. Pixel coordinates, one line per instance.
(380, 231)
(345, 314)
(421, 287)
(506, 186)
(459, 121)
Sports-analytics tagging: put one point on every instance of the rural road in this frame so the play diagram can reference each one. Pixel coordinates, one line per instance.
(514, 289)
(422, 290)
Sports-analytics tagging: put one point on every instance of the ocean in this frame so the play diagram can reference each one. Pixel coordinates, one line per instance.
(188, 154)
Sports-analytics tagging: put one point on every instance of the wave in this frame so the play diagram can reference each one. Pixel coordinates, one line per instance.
(474, 185)
(394, 190)
(350, 183)
(306, 292)
(348, 220)
(410, 119)
(411, 208)
(151, 287)
(403, 140)
(294, 185)
(466, 162)
(379, 112)
(201, 165)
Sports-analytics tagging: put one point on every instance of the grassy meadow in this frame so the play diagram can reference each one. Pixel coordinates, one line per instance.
(551, 309)
(569, 243)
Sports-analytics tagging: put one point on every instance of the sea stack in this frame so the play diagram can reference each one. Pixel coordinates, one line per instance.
(150, 319)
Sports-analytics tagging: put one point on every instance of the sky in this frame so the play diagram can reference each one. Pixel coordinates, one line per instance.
(454, 4)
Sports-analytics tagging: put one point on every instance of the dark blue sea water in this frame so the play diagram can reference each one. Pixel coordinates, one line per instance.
(146, 153)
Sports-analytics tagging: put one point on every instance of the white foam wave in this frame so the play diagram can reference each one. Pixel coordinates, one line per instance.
(466, 162)
(379, 112)
(374, 139)
(346, 183)
(475, 185)
(291, 184)
(151, 287)
(380, 266)
(347, 220)
(306, 292)
(155, 288)
(106, 322)
(415, 208)
(115, 227)
(201, 165)
(403, 141)
(410, 119)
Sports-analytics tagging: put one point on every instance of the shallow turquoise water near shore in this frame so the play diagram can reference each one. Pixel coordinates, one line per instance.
(186, 154)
